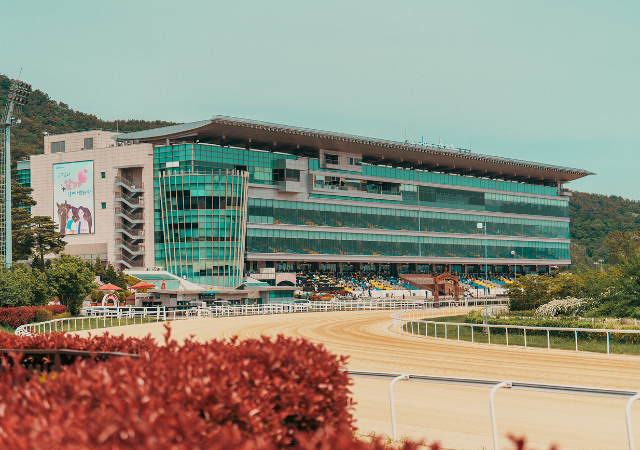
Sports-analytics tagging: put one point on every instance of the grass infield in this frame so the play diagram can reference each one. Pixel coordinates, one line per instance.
(588, 342)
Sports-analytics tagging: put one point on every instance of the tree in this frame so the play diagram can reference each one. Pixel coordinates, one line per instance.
(46, 239)
(121, 280)
(21, 231)
(622, 244)
(529, 292)
(110, 275)
(98, 268)
(71, 280)
(22, 286)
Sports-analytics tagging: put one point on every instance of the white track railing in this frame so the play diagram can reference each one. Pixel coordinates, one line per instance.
(495, 385)
(96, 317)
(405, 321)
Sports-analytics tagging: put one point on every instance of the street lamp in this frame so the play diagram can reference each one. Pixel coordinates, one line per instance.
(601, 261)
(515, 272)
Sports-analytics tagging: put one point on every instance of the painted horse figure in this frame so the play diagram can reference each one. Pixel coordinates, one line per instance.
(63, 213)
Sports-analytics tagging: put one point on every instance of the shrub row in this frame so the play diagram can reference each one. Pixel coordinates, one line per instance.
(14, 317)
(254, 394)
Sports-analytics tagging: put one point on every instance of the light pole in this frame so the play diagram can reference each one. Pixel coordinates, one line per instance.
(601, 261)
(486, 262)
(18, 93)
(515, 273)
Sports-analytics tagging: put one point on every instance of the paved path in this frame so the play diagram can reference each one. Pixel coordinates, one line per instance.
(456, 416)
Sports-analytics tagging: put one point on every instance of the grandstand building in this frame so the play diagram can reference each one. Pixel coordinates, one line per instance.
(216, 199)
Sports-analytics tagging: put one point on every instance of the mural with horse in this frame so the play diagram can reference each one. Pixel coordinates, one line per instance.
(73, 197)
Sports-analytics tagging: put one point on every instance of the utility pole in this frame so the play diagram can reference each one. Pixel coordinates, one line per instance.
(18, 93)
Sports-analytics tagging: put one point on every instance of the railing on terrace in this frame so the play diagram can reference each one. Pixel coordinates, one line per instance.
(411, 321)
(495, 385)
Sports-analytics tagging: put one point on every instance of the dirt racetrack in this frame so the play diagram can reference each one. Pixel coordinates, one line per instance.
(457, 416)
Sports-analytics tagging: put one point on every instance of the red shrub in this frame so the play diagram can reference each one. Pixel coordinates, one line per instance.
(256, 393)
(14, 317)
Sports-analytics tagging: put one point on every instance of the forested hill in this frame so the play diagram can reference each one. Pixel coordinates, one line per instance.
(44, 114)
(593, 218)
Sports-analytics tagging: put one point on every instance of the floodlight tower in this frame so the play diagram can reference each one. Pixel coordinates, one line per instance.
(18, 93)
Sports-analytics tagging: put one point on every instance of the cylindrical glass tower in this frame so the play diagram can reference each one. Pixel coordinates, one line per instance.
(204, 225)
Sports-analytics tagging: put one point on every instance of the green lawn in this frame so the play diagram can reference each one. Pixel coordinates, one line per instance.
(589, 342)
(85, 323)
(7, 329)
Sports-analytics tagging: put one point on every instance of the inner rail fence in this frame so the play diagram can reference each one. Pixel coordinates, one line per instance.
(495, 385)
(108, 316)
(413, 322)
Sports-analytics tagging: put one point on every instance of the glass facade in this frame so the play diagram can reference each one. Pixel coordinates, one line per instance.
(201, 224)
(336, 215)
(341, 243)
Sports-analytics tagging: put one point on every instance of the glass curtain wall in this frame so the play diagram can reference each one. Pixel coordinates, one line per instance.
(341, 243)
(203, 225)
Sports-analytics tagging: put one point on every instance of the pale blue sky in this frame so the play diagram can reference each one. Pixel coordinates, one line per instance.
(548, 81)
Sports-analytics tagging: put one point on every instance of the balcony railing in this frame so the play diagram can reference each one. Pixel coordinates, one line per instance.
(368, 190)
(129, 229)
(129, 215)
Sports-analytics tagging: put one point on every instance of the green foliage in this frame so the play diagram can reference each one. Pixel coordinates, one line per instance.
(98, 268)
(110, 275)
(21, 233)
(593, 218)
(23, 286)
(622, 299)
(96, 296)
(64, 315)
(71, 280)
(529, 292)
(43, 315)
(46, 239)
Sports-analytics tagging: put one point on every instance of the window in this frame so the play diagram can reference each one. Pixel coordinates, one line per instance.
(88, 144)
(104, 205)
(57, 147)
(103, 174)
(331, 159)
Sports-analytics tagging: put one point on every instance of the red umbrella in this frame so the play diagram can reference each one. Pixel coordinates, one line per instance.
(143, 285)
(109, 287)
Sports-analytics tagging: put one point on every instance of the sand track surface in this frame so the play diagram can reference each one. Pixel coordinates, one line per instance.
(457, 416)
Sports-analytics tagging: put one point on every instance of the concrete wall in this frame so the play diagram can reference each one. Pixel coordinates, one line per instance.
(105, 159)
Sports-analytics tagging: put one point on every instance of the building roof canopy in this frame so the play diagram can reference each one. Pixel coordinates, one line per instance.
(230, 131)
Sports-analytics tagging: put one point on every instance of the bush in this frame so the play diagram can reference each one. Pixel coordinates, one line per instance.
(42, 315)
(64, 315)
(14, 317)
(255, 394)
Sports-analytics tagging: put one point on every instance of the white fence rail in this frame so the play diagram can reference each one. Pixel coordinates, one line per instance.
(631, 395)
(405, 321)
(96, 317)
(108, 316)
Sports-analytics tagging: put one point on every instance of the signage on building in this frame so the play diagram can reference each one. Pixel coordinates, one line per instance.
(73, 197)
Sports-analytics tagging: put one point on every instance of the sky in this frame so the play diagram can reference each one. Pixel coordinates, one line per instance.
(556, 82)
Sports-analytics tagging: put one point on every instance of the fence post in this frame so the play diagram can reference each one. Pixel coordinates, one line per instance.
(393, 411)
(607, 342)
(576, 332)
(472, 334)
(627, 414)
(506, 330)
(492, 409)
(548, 341)
(525, 337)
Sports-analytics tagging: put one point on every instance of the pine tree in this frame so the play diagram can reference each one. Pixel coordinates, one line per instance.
(98, 268)
(46, 239)
(21, 232)
(110, 275)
